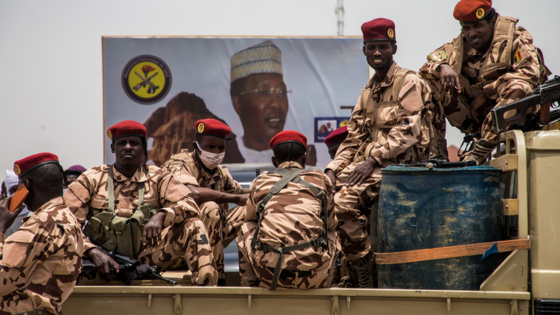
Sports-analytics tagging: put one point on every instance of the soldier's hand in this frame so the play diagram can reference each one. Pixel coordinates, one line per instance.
(361, 172)
(330, 175)
(7, 218)
(103, 263)
(242, 199)
(476, 104)
(448, 78)
(151, 235)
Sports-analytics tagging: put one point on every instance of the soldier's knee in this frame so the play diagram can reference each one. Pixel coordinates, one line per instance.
(209, 211)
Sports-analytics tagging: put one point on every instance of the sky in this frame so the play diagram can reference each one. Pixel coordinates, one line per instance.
(51, 78)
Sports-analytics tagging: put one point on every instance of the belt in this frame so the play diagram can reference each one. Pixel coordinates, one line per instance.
(36, 312)
(284, 274)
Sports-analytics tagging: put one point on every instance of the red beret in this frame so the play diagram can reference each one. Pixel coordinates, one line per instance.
(288, 135)
(379, 29)
(30, 163)
(336, 136)
(469, 11)
(212, 127)
(126, 128)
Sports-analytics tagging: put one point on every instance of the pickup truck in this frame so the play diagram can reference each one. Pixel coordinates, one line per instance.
(526, 282)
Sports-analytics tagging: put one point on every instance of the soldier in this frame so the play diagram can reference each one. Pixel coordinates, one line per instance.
(40, 262)
(289, 238)
(140, 211)
(334, 139)
(387, 127)
(491, 63)
(212, 186)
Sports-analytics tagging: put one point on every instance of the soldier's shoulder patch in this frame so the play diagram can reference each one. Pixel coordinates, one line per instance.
(517, 57)
(440, 55)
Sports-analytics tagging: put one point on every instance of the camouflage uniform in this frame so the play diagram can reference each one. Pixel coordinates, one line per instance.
(387, 124)
(183, 236)
(291, 217)
(41, 261)
(505, 73)
(222, 225)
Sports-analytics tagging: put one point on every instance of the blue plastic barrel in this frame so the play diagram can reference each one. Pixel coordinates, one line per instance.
(423, 208)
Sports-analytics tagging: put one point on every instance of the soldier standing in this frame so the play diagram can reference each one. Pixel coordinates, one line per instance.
(387, 127)
(140, 211)
(289, 238)
(491, 63)
(40, 262)
(212, 186)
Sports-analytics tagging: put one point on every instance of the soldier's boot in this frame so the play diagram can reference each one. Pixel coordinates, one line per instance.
(364, 268)
(480, 152)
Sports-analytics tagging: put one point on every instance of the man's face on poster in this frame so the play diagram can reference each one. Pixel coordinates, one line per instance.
(262, 106)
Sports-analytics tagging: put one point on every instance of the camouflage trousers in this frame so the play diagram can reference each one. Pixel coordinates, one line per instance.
(352, 209)
(188, 241)
(457, 107)
(221, 229)
(253, 275)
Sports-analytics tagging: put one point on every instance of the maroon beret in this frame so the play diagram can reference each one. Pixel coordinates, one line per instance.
(288, 135)
(336, 136)
(212, 127)
(470, 11)
(126, 128)
(30, 163)
(379, 29)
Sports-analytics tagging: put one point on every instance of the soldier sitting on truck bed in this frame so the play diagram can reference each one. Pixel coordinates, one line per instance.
(40, 262)
(289, 238)
(389, 125)
(140, 211)
(491, 63)
(212, 186)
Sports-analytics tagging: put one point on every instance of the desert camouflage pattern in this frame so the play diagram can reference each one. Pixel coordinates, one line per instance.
(88, 196)
(41, 261)
(389, 126)
(222, 225)
(291, 217)
(521, 70)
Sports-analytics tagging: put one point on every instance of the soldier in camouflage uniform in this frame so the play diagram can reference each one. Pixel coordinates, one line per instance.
(490, 64)
(389, 125)
(294, 216)
(173, 233)
(40, 262)
(212, 186)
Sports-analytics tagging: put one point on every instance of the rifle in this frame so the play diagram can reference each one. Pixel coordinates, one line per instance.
(546, 92)
(126, 263)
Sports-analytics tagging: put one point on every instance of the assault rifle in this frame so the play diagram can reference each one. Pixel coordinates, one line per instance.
(544, 93)
(126, 263)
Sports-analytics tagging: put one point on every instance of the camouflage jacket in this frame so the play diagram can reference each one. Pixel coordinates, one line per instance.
(502, 68)
(189, 171)
(387, 122)
(40, 262)
(291, 217)
(88, 195)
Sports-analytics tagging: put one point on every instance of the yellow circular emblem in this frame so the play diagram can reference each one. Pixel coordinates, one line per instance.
(146, 79)
(16, 169)
(343, 123)
(200, 128)
(480, 13)
(109, 134)
(391, 33)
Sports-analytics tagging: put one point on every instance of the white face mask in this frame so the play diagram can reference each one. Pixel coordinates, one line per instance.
(210, 160)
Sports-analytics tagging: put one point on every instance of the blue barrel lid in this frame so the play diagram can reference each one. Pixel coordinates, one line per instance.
(398, 168)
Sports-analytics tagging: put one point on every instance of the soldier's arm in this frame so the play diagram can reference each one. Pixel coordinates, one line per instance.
(332, 220)
(431, 69)
(231, 186)
(357, 132)
(176, 200)
(407, 129)
(251, 206)
(77, 199)
(200, 195)
(525, 73)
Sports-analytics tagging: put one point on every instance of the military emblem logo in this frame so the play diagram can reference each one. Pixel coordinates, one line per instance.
(517, 57)
(200, 128)
(16, 169)
(146, 79)
(390, 33)
(480, 13)
(438, 55)
(109, 134)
